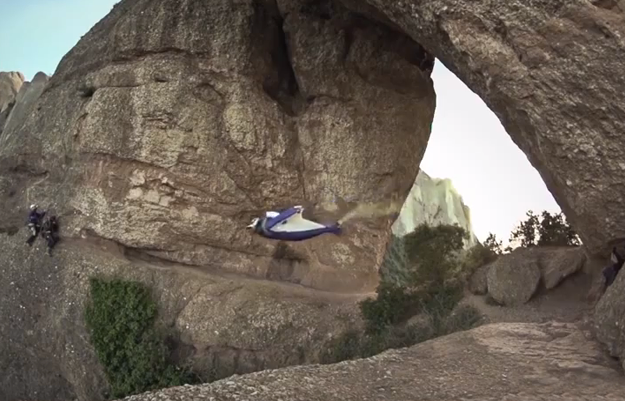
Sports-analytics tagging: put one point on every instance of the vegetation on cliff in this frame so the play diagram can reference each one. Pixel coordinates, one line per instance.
(121, 318)
(421, 284)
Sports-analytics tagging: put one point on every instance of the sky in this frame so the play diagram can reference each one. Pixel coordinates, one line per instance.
(468, 143)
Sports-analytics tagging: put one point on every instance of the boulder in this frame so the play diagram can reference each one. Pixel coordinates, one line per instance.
(511, 361)
(559, 263)
(551, 264)
(514, 279)
(552, 72)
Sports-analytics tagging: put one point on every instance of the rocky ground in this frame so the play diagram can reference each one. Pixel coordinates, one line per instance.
(171, 124)
(504, 361)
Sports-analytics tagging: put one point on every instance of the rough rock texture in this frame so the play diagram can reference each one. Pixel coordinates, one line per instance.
(550, 264)
(433, 201)
(164, 131)
(552, 72)
(478, 282)
(10, 84)
(559, 263)
(23, 105)
(609, 318)
(230, 325)
(513, 280)
(171, 124)
(507, 361)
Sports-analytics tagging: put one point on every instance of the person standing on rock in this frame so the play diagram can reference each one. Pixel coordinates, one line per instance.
(49, 231)
(34, 223)
(610, 272)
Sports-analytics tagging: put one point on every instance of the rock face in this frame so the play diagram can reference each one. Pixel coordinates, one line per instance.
(23, 105)
(162, 133)
(220, 325)
(10, 84)
(551, 72)
(609, 318)
(433, 201)
(520, 362)
(513, 278)
(168, 134)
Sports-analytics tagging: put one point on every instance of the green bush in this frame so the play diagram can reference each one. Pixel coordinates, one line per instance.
(424, 263)
(419, 276)
(476, 257)
(120, 318)
(393, 269)
(354, 344)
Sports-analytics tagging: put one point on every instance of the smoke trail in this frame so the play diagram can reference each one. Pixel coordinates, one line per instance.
(373, 210)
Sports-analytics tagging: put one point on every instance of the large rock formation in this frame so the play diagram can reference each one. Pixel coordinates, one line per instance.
(23, 105)
(171, 124)
(507, 361)
(609, 318)
(220, 325)
(10, 84)
(162, 133)
(552, 72)
(433, 201)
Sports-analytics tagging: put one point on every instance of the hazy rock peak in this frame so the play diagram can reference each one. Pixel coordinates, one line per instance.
(434, 201)
(10, 84)
(12, 75)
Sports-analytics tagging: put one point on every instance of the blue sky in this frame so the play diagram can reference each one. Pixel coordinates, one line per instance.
(36, 34)
(468, 143)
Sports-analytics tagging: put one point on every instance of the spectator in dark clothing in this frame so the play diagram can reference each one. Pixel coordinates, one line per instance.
(610, 272)
(49, 231)
(34, 223)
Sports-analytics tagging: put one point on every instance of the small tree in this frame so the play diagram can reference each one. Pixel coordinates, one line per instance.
(429, 254)
(554, 230)
(432, 251)
(493, 245)
(548, 230)
(525, 233)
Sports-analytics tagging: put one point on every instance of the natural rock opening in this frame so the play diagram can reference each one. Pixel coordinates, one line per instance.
(549, 72)
(195, 116)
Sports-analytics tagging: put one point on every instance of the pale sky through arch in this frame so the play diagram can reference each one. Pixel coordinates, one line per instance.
(468, 143)
(470, 146)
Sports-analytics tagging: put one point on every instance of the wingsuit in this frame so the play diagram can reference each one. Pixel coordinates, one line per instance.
(290, 225)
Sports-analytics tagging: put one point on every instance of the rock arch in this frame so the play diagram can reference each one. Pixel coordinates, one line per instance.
(172, 122)
(550, 72)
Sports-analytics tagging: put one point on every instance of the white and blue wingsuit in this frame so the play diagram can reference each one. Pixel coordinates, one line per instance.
(290, 225)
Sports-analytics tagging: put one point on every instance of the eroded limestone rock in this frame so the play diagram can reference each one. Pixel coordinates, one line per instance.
(515, 361)
(169, 137)
(552, 72)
